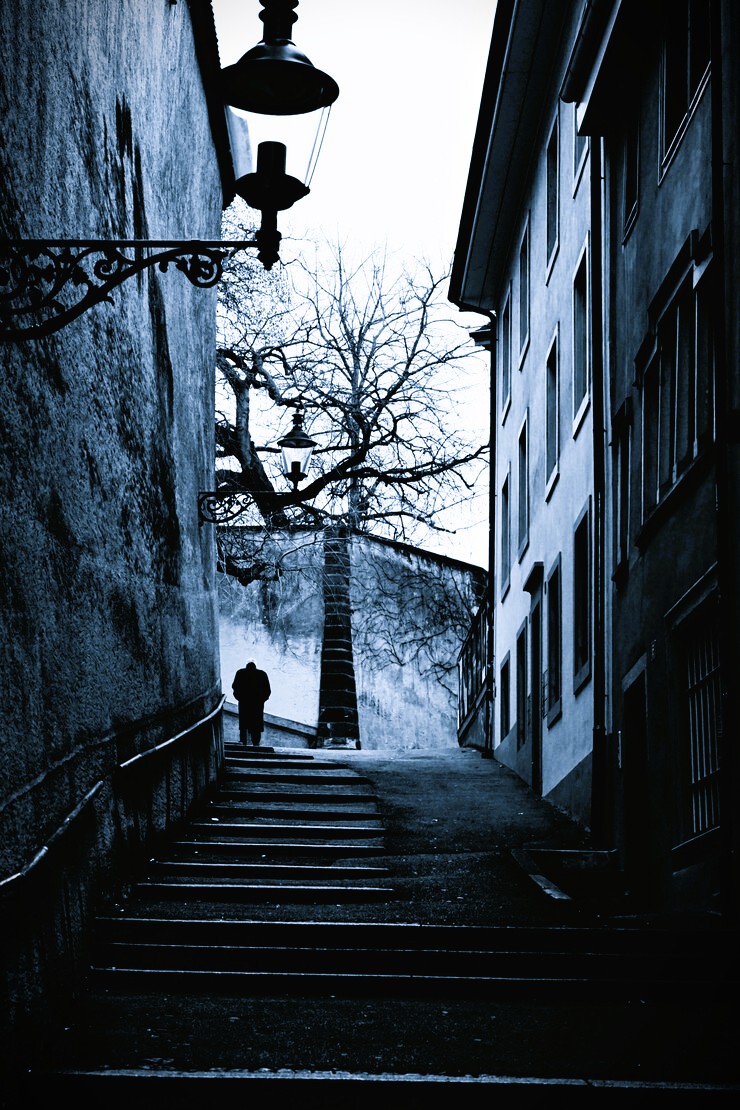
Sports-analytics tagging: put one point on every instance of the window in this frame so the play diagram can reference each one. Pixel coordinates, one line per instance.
(677, 388)
(631, 171)
(524, 291)
(698, 661)
(622, 447)
(523, 490)
(504, 697)
(554, 649)
(521, 687)
(505, 536)
(581, 338)
(686, 57)
(582, 600)
(552, 434)
(505, 356)
(552, 192)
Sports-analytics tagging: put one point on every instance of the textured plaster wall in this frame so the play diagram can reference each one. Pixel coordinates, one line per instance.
(397, 602)
(278, 624)
(107, 600)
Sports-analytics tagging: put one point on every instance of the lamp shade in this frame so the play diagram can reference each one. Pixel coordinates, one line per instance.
(274, 78)
(277, 80)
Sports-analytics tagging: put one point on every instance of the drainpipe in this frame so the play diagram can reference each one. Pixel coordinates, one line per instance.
(491, 582)
(724, 90)
(486, 337)
(600, 793)
(491, 661)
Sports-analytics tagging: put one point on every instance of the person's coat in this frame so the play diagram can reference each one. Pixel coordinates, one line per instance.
(251, 688)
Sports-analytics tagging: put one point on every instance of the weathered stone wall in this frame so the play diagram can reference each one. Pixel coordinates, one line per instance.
(107, 600)
(405, 638)
(278, 623)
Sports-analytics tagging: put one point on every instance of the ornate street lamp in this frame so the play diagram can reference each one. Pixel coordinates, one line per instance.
(275, 79)
(297, 449)
(47, 283)
(222, 505)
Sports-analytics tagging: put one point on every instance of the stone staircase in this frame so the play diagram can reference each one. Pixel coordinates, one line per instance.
(273, 835)
(256, 956)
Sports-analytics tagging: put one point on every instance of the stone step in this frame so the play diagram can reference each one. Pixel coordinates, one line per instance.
(357, 983)
(405, 960)
(311, 776)
(215, 870)
(309, 796)
(273, 829)
(276, 894)
(497, 967)
(294, 812)
(280, 849)
(362, 1090)
(234, 847)
(277, 763)
(690, 946)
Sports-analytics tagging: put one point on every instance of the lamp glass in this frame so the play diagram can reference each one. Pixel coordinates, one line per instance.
(296, 460)
(300, 135)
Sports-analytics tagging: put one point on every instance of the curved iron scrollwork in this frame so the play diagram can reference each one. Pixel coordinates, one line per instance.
(220, 506)
(47, 283)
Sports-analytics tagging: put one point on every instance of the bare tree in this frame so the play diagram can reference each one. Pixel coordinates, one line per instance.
(377, 366)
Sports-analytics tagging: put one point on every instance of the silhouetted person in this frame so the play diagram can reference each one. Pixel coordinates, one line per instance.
(251, 688)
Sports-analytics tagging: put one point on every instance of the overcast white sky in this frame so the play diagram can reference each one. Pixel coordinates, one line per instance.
(396, 153)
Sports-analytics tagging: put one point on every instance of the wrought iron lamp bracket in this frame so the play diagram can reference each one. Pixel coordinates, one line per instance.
(45, 284)
(220, 506)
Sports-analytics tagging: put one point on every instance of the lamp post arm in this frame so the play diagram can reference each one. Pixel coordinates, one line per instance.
(45, 284)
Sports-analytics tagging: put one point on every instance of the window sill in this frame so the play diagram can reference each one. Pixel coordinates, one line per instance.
(580, 416)
(552, 481)
(554, 713)
(523, 353)
(551, 261)
(582, 678)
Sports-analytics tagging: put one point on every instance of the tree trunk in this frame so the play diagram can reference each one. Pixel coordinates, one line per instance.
(338, 717)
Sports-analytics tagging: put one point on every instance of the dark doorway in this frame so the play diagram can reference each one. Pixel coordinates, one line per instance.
(535, 624)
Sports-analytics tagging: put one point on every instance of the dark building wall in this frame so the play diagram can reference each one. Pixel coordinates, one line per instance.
(655, 249)
(652, 90)
(107, 601)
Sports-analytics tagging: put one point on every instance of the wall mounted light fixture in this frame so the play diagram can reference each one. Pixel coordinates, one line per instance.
(47, 283)
(276, 79)
(223, 505)
(297, 449)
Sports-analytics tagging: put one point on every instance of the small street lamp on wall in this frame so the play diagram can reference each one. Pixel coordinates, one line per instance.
(223, 505)
(297, 448)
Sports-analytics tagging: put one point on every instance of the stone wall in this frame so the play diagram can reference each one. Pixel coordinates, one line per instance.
(410, 609)
(107, 601)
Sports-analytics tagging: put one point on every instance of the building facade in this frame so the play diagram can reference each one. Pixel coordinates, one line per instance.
(599, 185)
